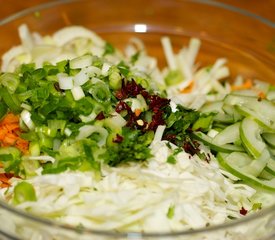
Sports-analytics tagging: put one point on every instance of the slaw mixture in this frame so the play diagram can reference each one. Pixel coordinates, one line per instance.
(95, 137)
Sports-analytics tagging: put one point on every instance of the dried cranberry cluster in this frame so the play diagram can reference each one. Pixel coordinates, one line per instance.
(156, 105)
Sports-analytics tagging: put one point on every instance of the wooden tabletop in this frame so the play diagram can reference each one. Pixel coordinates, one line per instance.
(264, 8)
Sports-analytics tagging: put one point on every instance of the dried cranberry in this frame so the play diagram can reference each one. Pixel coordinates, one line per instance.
(118, 139)
(156, 102)
(170, 137)
(133, 89)
(122, 106)
(243, 211)
(129, 89)
(57, 87)
(100, 116)
(191, 147)
(157, 119)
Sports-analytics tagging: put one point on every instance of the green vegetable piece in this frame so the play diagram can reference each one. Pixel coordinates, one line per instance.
(123, 68)
(135, 57)
(39, 74)
(55, 125)
(90, 157)
(10, 100)
(173, 77)
(10, 81)
(100, 92)
(44, 140)
(115, 79)
(10, 157)
(171, 159)
(29, 167)
(62, 66)
(203, 123)
(3, 110)
(27, 68)
(24, 192)
(171, 212)
(178, 122)
(132, 148)
(109, 49)
(248, 178)
(257, 206)
(34, 148)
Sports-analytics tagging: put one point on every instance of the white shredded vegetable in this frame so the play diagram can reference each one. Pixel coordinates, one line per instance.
(198, 191)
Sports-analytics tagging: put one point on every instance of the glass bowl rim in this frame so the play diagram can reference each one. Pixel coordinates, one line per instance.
(51, 223)
(213, 3)
(48, 222)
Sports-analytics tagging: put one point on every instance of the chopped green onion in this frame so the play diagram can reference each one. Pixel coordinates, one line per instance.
(10, 81)
(171, 212)
(24, 192)
(10, 100)
(173, 77)
(3, 110)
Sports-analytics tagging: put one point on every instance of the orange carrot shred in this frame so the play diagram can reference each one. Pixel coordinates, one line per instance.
(10, 118)
(137, 112)
(4, 179)
(189, 88)
(10, 133)
(246, 85)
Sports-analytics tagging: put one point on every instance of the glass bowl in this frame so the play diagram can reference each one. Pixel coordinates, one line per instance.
(246, 40)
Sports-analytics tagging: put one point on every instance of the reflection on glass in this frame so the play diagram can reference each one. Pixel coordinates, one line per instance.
(140, 28)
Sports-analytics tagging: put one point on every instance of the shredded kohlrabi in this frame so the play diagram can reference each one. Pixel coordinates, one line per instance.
(110, 136)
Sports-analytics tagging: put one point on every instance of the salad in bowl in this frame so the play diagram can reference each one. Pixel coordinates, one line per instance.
(99, 138)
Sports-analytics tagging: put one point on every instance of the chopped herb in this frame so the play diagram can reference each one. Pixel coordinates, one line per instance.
(171, 212)
(134, 147)
(135, 57)
(123, 68)
(171, 159)
(109, 49)
(257, 206)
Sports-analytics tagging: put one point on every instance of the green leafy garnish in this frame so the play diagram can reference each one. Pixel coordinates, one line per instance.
(134, 147)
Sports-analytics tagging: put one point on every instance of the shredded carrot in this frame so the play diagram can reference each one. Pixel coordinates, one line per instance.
(137, 112)
(261, 95)
(10, 133)
(4, 179)
(246, 85)
(189, 88)
(10, 118)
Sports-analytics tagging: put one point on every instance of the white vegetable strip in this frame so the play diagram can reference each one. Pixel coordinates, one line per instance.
(81, 62)
(65, 81)
(41, 158)
(129, 194)
(25, 37)
(88, 130)
(168, 51)
(26, 117)
(77, 92)
(67, 34)
(158, 134)
(9, 56)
